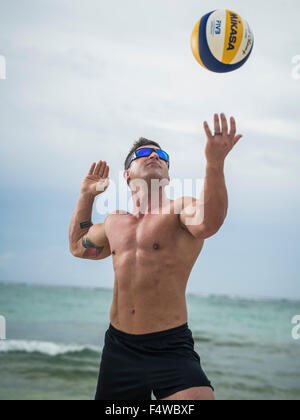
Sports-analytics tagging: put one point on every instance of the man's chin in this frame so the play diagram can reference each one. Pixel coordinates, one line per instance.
(153, 167)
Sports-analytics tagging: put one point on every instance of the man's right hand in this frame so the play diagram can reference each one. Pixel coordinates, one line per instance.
(97, 180)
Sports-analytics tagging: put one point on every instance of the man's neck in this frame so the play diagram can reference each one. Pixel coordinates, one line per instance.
(148, 202)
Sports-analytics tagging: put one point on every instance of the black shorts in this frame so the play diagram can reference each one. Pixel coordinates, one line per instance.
(134, 366)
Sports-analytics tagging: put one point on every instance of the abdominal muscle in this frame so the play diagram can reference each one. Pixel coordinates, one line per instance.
(148, 296)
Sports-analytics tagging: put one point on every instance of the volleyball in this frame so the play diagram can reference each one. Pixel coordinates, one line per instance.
(222, 41)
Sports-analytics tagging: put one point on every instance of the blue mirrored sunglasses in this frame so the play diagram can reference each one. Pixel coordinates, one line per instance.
(146, 151)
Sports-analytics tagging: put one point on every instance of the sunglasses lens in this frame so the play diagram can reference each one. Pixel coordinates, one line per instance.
(163, 155)
(143, 152)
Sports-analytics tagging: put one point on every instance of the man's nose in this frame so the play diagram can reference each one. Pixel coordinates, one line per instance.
(154, 155)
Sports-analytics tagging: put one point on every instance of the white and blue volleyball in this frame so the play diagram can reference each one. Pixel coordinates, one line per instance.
(222, 41)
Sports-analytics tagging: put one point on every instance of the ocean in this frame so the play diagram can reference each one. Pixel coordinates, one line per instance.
(55, 336)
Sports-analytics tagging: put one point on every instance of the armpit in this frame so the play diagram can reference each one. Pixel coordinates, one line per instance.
(182, 225)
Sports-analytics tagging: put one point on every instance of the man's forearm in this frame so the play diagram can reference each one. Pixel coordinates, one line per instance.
(82, 213)
(214, 198)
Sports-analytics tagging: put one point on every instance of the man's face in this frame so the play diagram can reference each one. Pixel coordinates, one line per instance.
(148, 167)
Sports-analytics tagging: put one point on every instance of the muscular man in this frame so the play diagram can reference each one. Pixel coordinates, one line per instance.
(148, 346)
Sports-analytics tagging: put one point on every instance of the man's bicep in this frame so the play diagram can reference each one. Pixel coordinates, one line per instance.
(95, 245)
(191, 218)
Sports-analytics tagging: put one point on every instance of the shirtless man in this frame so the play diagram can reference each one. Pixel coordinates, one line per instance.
(148, 346)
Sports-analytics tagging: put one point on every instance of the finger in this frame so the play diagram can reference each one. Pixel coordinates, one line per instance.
(232, 127)
(217, 124)
(224, 125)
(102, 169)
(97, 170)
(91, 171)
(237, 138)
(106, 172)
(207, 130)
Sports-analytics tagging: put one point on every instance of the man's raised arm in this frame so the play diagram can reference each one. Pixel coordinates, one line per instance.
(85, 239)
(204, 217)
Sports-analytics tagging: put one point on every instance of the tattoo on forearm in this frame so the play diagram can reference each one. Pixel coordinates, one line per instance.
(85, 225)
(92, 250)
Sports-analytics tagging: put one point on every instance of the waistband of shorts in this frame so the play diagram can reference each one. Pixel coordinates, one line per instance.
(154, 335)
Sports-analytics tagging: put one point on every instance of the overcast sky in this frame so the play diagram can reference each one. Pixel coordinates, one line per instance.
(85, 79)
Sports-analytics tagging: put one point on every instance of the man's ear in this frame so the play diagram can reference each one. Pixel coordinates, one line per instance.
(126, 175)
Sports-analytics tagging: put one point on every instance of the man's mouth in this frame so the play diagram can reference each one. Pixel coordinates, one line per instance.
(153, 163)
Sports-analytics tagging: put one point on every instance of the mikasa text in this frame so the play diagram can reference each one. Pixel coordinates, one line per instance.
(234, 30)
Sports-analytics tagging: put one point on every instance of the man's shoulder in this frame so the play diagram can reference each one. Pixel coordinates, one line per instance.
(119, 213)
(111, 216)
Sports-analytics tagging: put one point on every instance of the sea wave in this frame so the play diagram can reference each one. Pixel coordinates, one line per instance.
(44, 347)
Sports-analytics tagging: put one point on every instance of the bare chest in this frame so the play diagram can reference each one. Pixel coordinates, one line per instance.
(148, 232)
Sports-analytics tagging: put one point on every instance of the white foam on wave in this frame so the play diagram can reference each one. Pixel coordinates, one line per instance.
(44, 347)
